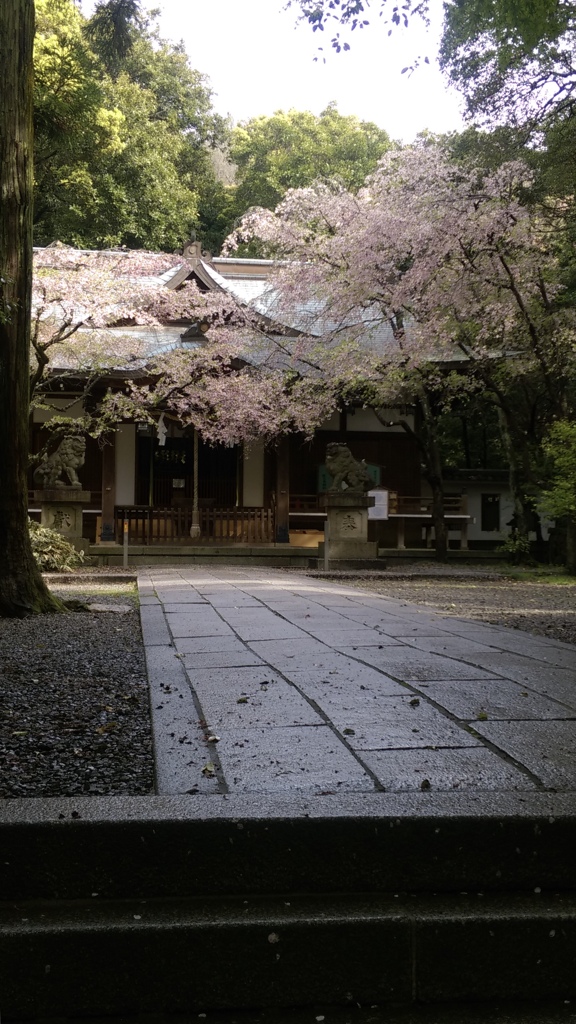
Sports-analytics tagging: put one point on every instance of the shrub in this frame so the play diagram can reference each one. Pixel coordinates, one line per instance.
(517, 550)
(52, 552)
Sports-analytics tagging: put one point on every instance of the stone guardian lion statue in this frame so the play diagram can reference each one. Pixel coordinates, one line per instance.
(346, 471)
(66, 460)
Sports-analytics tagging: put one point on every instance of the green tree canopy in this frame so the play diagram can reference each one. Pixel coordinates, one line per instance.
(512, 59)
(293, 148)
(121, 158)
(112, 30)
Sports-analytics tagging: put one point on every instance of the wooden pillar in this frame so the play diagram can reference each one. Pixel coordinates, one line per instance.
(464, 536)
(400, 541)
(195, 527)
(108, 531)
(282, 491)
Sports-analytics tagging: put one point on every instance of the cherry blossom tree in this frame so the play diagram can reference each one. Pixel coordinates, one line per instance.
(436, 278)
(96, 312)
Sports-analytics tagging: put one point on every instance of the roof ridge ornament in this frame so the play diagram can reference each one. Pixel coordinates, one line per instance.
(193, 251)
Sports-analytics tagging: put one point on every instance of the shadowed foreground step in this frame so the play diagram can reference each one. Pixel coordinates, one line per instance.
(163, 904)
(509, 1012)
(137, 956)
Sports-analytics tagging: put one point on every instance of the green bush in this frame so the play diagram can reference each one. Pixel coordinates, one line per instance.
(517, 550)
(52, 552)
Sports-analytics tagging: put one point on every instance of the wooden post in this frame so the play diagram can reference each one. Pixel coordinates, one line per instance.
(282, 491)
(464, 536)
(195, 527)
(108, 531)
(400, 541)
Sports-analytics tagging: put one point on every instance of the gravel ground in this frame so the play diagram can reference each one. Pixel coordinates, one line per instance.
(547, 609)
(74, 713)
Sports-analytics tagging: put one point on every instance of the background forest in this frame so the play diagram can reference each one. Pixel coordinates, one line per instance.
(129, 150)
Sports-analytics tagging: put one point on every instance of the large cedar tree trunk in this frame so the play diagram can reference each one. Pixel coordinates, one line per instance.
(22, 590)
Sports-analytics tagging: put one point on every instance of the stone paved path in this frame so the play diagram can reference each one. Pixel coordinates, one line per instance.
(276, 683)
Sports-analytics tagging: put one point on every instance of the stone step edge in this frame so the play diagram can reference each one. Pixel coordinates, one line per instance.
(142, 956)
(163, 846)
(501, 1011)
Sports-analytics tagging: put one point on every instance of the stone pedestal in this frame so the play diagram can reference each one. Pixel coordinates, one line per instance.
(61, 510)
(348, 525)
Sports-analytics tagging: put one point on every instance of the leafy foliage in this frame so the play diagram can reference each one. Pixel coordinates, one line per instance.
(294, 148)
(52, 552)
(513, 59)
(352, 15)
(112, 30)
(560, 446)
(121, 152)
(517, 549)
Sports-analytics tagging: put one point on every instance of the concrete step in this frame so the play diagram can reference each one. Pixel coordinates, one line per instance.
(193, 904)
(203, 554)
(557, 1011)
(98, 957)
(217, 845)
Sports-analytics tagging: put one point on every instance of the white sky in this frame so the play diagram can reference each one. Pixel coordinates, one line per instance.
(259, 61)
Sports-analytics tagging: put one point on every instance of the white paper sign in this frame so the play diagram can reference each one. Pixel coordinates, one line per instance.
(380, 508)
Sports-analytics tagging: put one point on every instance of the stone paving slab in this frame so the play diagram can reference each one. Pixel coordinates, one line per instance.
(180, 750)
(445, 770)
(154, 625)
(272, 683)
(351, 636)
(221, 659)
(394, 725)
(290, 759)
(451, 647)
(533, 671)
(188, 625)
(246, 699)
(209, 644)
(548, 749)
(408, 664)
(180, 595)
(287, 652)
(541, 648)
(498, 699)
(344, 679)
(264, 629)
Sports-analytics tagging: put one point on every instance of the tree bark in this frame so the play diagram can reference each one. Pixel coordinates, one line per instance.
(522, 514)
(22, 589)
(433, 461)
(426, 439)
(283, 491)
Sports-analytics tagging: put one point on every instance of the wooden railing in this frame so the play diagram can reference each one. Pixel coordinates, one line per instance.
(304, 503)
(399, 505)
(147, 525)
